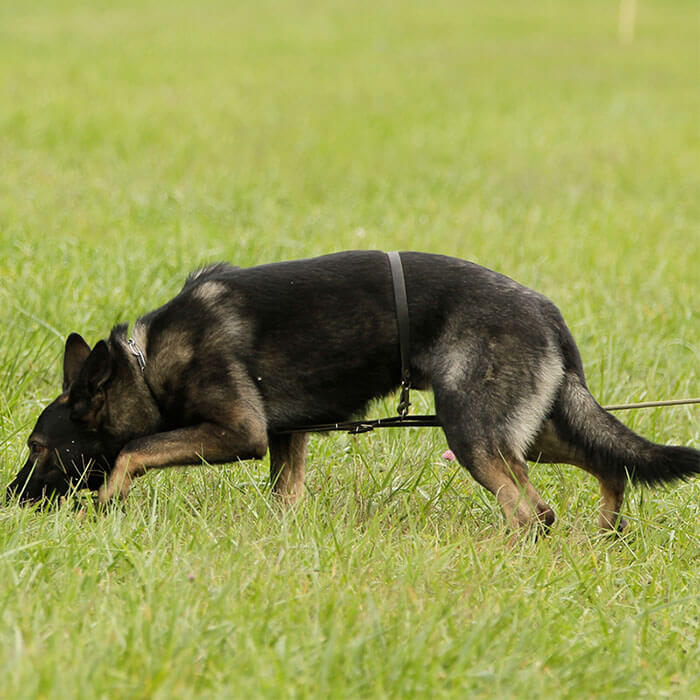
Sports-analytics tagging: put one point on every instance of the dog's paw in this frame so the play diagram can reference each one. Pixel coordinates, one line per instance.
(618, 528)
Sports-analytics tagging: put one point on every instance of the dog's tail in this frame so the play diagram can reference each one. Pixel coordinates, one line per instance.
(610, 448)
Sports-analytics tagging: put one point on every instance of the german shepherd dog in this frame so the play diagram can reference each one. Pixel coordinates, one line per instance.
(240, 355)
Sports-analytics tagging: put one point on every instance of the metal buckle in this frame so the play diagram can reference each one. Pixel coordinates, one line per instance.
(137, 353)
(404, 402)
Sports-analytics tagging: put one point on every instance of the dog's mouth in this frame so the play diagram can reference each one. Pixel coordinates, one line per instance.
(45, 480)
(44, 498)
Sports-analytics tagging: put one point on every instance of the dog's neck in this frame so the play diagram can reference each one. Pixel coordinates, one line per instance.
(133, 348)
(134, 344)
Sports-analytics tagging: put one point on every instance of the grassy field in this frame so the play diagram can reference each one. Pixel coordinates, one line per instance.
(141, 139)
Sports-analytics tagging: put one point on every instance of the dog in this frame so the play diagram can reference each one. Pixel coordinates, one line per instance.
(239, 356)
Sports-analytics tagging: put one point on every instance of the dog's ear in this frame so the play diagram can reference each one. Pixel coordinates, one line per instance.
(97, 368)
(74, 356)
(87, 393)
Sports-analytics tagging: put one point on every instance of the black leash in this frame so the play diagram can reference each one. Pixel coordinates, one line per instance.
(354, 427)
(432, 421)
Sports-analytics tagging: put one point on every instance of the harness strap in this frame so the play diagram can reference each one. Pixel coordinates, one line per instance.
(401, 302)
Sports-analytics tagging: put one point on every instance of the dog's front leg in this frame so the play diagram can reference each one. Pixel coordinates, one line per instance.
(287, 465)
(206, 441)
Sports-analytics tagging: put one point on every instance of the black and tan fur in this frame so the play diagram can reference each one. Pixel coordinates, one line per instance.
(239, 355)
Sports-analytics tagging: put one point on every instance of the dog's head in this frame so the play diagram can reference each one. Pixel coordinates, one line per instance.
(68, 446)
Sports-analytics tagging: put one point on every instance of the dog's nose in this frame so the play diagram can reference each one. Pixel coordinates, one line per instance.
(18, 486)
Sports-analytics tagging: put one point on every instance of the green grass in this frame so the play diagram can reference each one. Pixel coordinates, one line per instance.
(140, 139)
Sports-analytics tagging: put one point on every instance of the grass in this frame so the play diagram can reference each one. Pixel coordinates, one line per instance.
(138, 140)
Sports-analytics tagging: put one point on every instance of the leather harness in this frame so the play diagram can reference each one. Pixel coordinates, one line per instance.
(402, 419)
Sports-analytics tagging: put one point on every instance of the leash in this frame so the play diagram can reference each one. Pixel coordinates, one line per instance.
(651, 404)
(432, 421)
(403, 419)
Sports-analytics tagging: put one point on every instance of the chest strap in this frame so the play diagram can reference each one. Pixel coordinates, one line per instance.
(401, 301)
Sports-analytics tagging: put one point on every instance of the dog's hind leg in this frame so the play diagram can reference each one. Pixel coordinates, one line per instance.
(494, 466)
(551, 448)
(508, 480)
(612, 493)
(288, 465)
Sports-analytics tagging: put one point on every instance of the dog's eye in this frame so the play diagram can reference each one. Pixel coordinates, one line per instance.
(35, 447)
